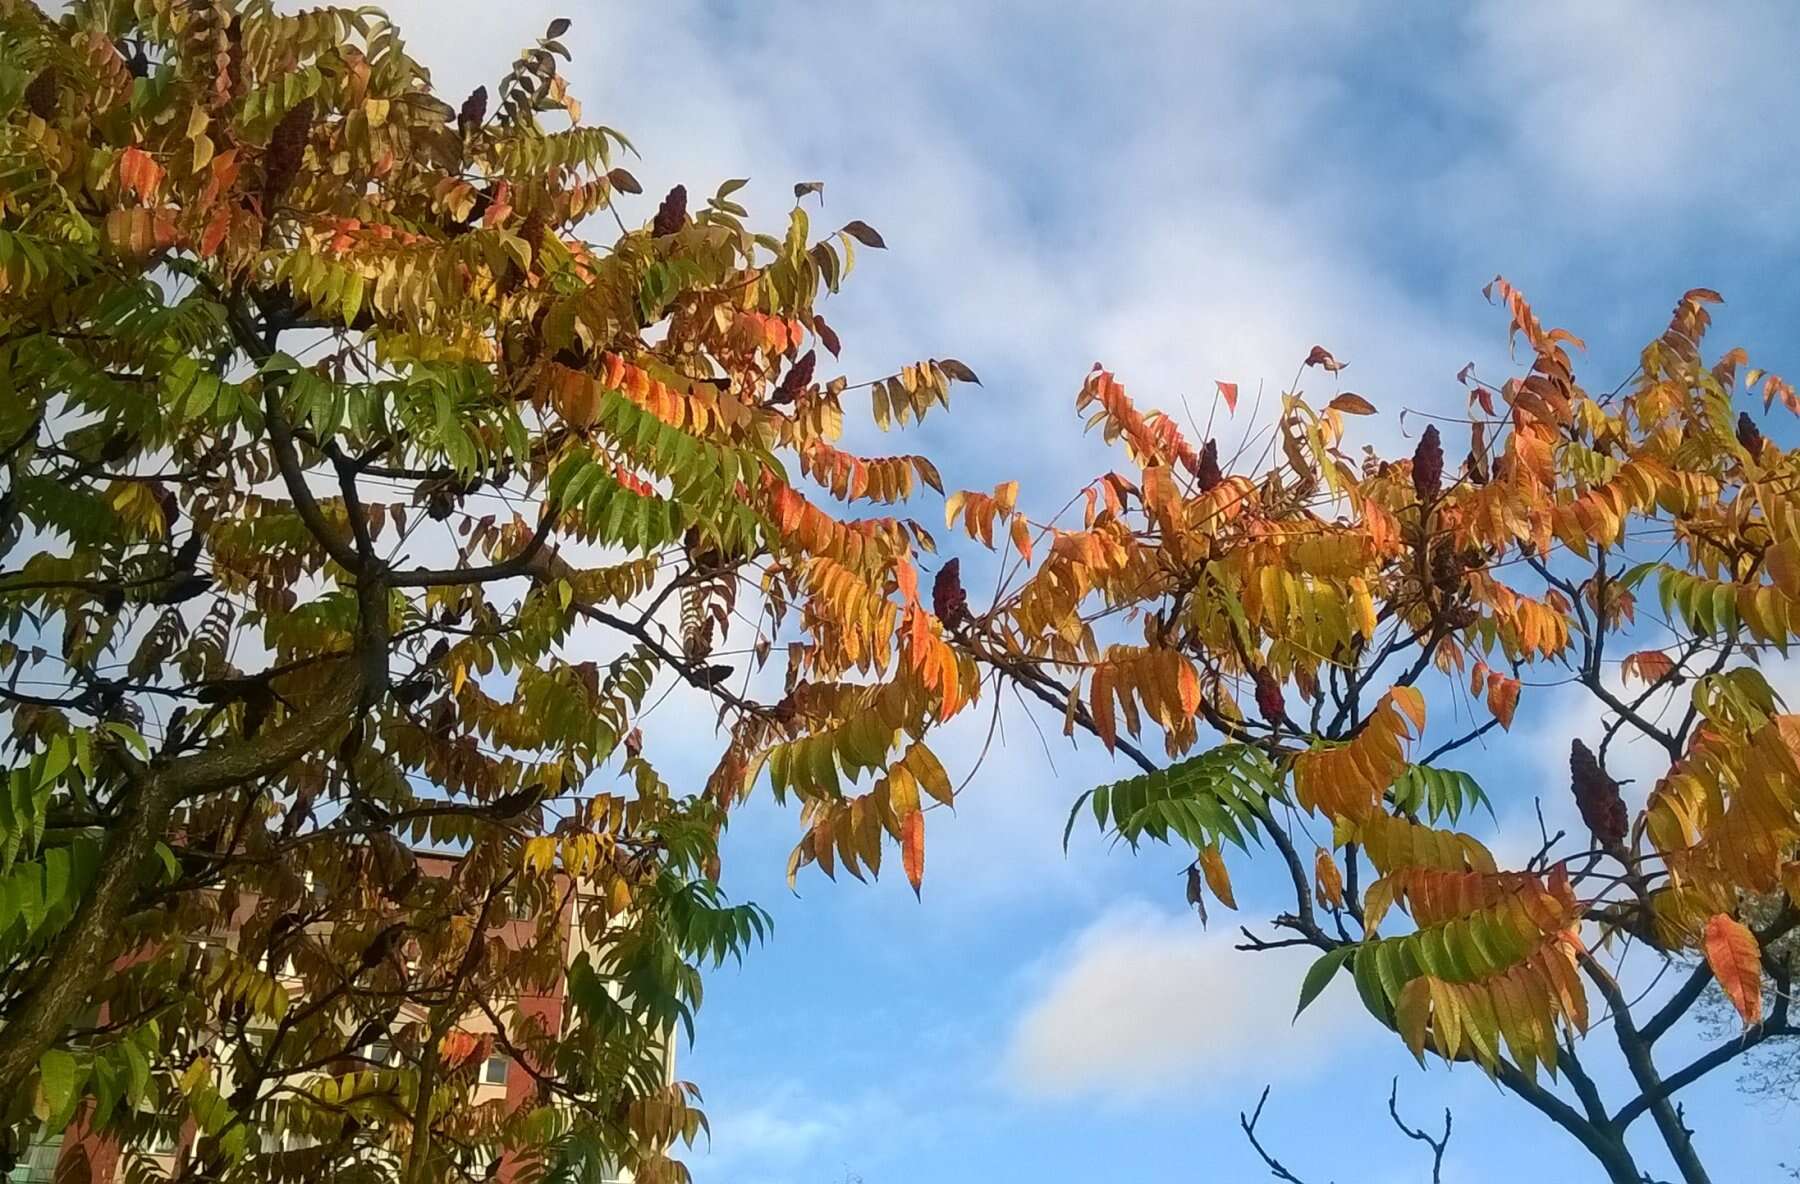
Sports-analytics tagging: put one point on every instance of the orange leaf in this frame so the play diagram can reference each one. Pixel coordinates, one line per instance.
(1021, 536)
(912, 848)
(1328, 881)
(139, 173)
(214, 234)
(1736, 961)
(1187, 686)
(908, 578)
(1503, 698)
(1228, 392)
(1352, 404)
(1212, 865)
(1648, 665)
(1411, 700)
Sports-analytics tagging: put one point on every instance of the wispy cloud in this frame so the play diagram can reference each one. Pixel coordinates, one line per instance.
(1143, 1001)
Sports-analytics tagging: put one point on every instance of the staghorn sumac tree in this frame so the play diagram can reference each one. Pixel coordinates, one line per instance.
(355, 501)
(1311, 637)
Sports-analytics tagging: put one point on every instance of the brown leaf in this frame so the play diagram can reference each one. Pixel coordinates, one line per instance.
(827, 335)
(624, 182)
(1195, 895)
(958, 371)
(801, 189)
(1351, 403)
(557, 28)
(863, 233)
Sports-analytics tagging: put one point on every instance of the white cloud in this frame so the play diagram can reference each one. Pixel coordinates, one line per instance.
(1143, 1001)
(788, 1128)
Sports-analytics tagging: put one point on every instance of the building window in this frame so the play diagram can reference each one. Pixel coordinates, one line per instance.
(495, 1070)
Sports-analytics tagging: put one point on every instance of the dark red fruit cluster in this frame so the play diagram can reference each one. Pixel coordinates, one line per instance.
(1428, 465)
(287, 150)
(474, 111)
(798, 378)
(1749, 435)
(1268, 698)
(1597, 796)
(948, 600)
(40, 96)
(671, 215)
(1207, 472)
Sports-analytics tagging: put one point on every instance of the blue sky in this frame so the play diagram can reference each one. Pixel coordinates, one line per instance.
(1187, 193)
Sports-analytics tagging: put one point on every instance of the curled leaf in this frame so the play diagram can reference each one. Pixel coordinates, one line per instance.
(1351, 403)
(1196, 895)
(1320, 356)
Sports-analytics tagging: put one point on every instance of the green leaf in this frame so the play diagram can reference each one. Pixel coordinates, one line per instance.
(58, 1077)
(1320, 974)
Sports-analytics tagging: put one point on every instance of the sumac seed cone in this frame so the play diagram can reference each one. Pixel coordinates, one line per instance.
(671, 215)
(40, 96)
(798, 378)
(1597, 796)
(1207, 472)
(287, 150)
(1749, 435)
(474, 111)
(1428, 465)
(948, 600)
(1268, 698)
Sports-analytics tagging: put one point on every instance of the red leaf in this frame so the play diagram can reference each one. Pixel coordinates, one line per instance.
(1320, 356)
(1736, 961)
(1228, 392)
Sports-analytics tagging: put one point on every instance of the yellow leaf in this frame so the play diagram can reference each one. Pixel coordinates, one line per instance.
(1212, 864)
(1783, 563)
(1413, 1013)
